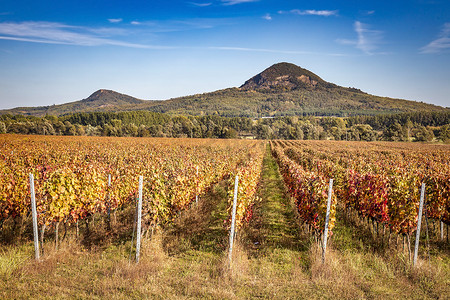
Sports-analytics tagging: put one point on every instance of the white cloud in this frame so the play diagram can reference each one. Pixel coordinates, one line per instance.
(58, 33)
(115, 20)
(441, 44)
(267, 17)
(159, 26)
(311, 12)
(201, 4)
(234, 2)
(367, 41)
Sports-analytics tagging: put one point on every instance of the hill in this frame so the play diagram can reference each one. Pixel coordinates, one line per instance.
(287, 89)
(282, 89)
(100, 101)
(283, 76)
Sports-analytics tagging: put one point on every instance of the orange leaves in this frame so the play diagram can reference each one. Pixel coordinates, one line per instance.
(72, 174)
(248, 171)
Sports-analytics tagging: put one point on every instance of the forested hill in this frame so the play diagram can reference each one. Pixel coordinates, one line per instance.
(100, 101)
(281, 90)
(286, 89)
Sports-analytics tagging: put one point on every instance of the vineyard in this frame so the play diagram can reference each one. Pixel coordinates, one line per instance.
(79, 177)
(379, 182)
(84, 183)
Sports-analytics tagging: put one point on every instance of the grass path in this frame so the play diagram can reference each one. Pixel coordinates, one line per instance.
(274, 225)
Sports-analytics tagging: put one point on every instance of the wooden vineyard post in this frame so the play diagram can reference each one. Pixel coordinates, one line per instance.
(109, 202)
(139, 216)
(419, 221)
(327, 219)
(233, 218)
(33, 210)
(196, 190)
(442, 230)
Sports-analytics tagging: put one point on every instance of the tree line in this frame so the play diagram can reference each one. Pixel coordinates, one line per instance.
(417, 126)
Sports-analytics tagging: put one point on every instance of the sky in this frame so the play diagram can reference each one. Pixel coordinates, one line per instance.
(59, 51)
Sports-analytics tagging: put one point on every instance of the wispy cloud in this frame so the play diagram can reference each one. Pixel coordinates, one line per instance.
(267, 17)
(441, 44)
(58, 33)
(159, 26)
(115, 20)
(234, 2)
(200, 4)
(367, 39)
(311, 12)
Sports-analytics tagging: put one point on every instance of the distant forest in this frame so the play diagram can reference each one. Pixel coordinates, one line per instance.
(414, 126)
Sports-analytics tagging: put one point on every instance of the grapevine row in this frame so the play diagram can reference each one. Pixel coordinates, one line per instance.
(379, 182)
(249, 174)
(309, 190)
(71, 175)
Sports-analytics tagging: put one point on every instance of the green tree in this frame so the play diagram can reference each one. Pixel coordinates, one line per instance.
(337, 133)
(394, 132)
(69, 128)
(80, 129)
(407, 127)
(2, 127)
(143, 131)
(130, 130)
(362, 132)
(444, 133)
(92, 131)
(263, 132)
(423, 134)
(229, 133)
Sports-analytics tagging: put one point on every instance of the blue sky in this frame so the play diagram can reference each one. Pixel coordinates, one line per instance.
(54, 52)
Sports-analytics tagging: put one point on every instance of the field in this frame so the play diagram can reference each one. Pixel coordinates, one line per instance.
(86, 190)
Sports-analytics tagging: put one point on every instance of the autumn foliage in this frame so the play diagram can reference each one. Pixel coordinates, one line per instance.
(71, 175)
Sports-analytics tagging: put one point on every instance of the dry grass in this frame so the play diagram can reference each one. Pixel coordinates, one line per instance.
(74, 272)
(334, 275)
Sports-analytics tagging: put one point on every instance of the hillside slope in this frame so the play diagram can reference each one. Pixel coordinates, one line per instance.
(282, 89)
(286, 89)
(101, 100)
